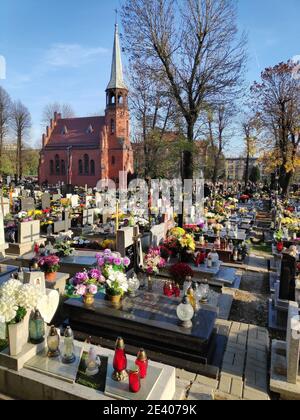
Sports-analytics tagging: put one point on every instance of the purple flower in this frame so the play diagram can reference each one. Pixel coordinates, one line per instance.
(80, 278)
(101, 261)
(126, 262)
(110, 260)
(107, 252)
(117, 261)
(95, 274)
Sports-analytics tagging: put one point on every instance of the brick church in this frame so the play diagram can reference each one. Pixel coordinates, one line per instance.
(81, 151)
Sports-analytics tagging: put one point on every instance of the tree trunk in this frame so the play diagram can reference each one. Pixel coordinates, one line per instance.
(247, 170)
(285, 181)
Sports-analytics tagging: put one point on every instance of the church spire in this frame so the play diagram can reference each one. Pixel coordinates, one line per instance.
(116, 78)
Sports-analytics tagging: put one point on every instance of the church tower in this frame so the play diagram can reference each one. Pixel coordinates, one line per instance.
(119, 149)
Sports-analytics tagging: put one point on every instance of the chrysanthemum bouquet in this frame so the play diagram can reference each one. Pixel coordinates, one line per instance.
(153, 261)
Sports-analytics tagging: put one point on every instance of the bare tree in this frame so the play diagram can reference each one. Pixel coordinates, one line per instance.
(21, 124)
(5, 116)
(193, 47)
(250, 127)
(65, 110)
(219, 129)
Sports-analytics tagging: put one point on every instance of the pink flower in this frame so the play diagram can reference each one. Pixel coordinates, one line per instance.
(101, 261)
(126, 262)
(93, 289)
(81, 290)
(117, 261)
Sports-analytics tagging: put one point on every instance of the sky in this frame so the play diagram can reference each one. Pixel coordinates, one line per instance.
(60, 50)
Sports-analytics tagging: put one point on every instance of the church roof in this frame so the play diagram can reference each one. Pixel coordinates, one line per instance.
(77, 132)
(116, 78)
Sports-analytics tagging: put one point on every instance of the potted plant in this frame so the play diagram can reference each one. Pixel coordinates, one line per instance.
(63, 245)
(180, 272)
(153, 263)
(86, 285)
(16, 302)
(279, 240)
(50, 266)
(113, 269)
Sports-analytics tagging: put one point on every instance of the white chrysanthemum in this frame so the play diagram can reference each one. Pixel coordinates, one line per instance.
(10, 289)
(117, 280)
(8, 309)
(28, 297)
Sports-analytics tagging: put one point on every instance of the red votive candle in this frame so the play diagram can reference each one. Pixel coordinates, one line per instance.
(120, 359)
(142, 363)
(134, 380)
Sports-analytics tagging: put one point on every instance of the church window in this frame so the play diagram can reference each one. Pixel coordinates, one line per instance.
(63, 167)
(86, 164)
(57, 166)
(120, 100)
(112, 100)
(113, 160)
(92, 167)
(51, 167)
(80, 167)
(112, 126)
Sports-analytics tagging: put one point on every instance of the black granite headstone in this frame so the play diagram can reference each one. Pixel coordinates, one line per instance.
(288, 278)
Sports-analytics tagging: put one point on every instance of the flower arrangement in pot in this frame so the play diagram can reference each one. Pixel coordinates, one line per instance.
(113, 269)
(278, 236)
(154, 262)
(63, 245)
(17, 300)
(50, 266)
(86, 285)
(180, 272)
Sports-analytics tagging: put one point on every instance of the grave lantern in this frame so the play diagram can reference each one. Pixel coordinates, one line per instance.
(36, 328)
(53, 343)
(120, 362)
(185, 313)
(142, 363)
(68, 352)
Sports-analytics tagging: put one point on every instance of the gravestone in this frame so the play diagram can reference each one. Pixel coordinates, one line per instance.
(88, 217)
(5, 205)
(29, 232)
(27, 204)
(288, 278)
(158, 234)
(74, 201)
(46, 201)
(3, 245)
(88, 200)
(62, 225)
(285, 359)
(129, 245)
(28, 235)
(36, 279)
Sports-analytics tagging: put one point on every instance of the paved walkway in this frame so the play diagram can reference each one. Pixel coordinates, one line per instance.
(244, 374)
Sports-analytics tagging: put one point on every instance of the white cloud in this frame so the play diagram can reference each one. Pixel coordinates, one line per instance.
(71, 55)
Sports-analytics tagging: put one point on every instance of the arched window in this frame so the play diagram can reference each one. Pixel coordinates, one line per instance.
(80, 167)
(120, 100)
(93, 167)
(57, 166)
(112, 99)
(112, 126)
(113, 160)
(63, 168)
(51, 167)
(86, 164)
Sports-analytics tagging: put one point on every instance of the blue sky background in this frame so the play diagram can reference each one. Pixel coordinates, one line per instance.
(60, 50)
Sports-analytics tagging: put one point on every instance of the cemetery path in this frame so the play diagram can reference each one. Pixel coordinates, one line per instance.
(251, 300)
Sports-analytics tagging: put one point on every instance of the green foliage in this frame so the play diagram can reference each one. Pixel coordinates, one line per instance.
(30, 162)
(255, 175)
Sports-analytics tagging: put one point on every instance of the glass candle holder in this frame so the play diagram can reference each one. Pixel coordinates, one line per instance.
(142, 363)
(36, 328)
(53, 343)
(134, 380)
(68, 352)
(120, 361)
